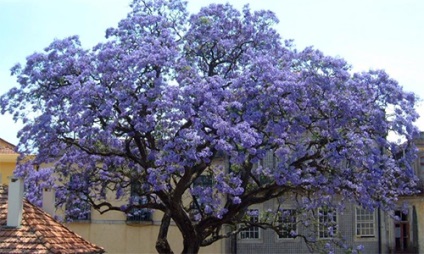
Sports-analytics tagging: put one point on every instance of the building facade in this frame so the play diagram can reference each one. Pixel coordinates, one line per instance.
(400, 231)
(376, 231)
(114, 231)
(8, 158)
(370, 231)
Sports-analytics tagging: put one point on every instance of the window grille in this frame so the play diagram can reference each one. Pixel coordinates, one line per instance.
(287, 224)
(327, 222)
(365, 222)
(253, 231)
(138, 214)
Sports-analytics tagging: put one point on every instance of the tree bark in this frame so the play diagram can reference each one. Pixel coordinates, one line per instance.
(162, 244)
(191, 242)
(191, 246)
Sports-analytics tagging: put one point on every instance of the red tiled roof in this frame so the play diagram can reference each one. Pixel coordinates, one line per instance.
(39, 233)
(5, 150)
(6, 147)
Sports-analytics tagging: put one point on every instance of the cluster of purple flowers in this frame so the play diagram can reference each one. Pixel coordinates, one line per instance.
(168, 95)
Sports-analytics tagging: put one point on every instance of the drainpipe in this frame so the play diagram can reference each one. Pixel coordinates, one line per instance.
(379, 230)
(235, 245)
(15, 202)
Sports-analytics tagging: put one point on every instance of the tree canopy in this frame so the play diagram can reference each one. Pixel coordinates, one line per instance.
(169, 94)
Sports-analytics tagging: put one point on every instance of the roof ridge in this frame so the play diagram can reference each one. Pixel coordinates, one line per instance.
(8, 143)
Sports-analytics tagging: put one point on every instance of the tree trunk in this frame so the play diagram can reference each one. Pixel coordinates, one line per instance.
(162, 244)
(190, 242)
(191, 246)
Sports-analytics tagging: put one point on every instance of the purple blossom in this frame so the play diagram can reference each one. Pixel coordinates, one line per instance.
(170, 100)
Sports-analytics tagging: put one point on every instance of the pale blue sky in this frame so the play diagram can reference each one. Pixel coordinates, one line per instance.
(377, 34)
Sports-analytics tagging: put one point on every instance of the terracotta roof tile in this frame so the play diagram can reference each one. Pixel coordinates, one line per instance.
(6, 147)
(5, 150)
(39, 233)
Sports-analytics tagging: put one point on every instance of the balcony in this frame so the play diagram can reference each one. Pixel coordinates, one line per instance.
(139, 216)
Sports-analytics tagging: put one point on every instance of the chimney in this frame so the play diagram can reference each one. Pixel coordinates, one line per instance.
(49, 201)
(15, 202)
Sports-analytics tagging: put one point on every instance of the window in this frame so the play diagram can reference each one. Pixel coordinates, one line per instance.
(327, 222)
(203, 181)
(77, 206)
(287, 224)
(253, 231)
(402, 232)
(422, 163)
(268, 161)
(264, 167)
(138, 214)
(79, 211)
(365, 222)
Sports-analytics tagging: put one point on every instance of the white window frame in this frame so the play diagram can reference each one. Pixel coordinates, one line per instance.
(324, 218)
(365, 224)
(280, 222)
(252, 230)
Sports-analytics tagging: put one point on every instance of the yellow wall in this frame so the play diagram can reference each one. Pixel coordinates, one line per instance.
(6, 169)
(110, 230)
(7, 161)
(118, 237)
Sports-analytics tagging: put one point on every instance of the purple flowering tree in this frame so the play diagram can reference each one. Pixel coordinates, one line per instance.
(187, 106)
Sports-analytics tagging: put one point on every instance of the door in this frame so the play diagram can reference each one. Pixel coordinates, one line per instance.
(402, 235)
